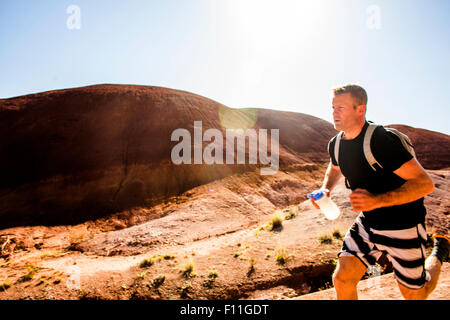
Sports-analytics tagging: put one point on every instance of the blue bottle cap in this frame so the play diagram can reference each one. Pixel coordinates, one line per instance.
(316, 195)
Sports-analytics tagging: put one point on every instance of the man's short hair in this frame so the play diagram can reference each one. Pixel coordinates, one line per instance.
(357, 92)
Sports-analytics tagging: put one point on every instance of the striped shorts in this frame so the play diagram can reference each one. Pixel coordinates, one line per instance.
(404, 248)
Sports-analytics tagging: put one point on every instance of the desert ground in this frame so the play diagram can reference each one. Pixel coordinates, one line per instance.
(91, 206)
(214, 243)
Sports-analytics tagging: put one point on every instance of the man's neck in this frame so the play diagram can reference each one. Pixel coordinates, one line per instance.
(354, 132)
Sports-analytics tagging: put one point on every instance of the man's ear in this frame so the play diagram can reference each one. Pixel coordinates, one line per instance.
(361, 108)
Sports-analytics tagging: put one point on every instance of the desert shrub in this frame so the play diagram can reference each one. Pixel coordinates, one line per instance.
(280, 255)
(146, 263)
(4, 286)
(325, 239)
(208, 283)
(337, 234)
(142, 274)
(188, 269)
(276, 222)
(184, 290)
(213, 274)
(158, 281)
(251, 268)
(30, 274)
(290, 215)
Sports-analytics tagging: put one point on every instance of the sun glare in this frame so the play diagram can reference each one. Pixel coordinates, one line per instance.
(270, 33)
(271, 25)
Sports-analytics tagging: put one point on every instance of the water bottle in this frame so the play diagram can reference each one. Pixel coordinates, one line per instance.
(326, 205)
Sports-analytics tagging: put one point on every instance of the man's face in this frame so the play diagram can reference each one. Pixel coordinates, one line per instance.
(345, 116)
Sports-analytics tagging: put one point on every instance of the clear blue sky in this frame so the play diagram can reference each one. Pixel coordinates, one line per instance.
(278, 54)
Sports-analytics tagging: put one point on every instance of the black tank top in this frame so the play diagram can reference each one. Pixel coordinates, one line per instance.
(390, 153)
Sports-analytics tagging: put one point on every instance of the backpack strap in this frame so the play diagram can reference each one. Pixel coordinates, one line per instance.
(376, 166)
(336, 146)
(406, 142)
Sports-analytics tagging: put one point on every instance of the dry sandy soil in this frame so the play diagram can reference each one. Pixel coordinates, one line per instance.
(386, 289)
(91, 206)
(234, 255)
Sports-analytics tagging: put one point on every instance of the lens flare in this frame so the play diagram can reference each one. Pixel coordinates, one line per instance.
(237, 118)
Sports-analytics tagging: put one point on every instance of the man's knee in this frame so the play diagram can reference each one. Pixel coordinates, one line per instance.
(344, 279)
(413, 294)
(348, 272)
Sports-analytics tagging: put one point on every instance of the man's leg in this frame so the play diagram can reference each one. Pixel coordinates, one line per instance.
(433, 266)
(349, 271)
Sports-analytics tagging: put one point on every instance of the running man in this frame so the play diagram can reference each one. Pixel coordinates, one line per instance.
(392, 217)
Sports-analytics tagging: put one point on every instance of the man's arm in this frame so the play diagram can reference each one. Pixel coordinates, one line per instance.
(418, 184)
(332, 176)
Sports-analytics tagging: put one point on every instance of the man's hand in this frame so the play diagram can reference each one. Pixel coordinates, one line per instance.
(315, 204)
(363, 200)
(418, 184)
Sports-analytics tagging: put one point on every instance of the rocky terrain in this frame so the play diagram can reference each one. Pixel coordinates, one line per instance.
(92, 207)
